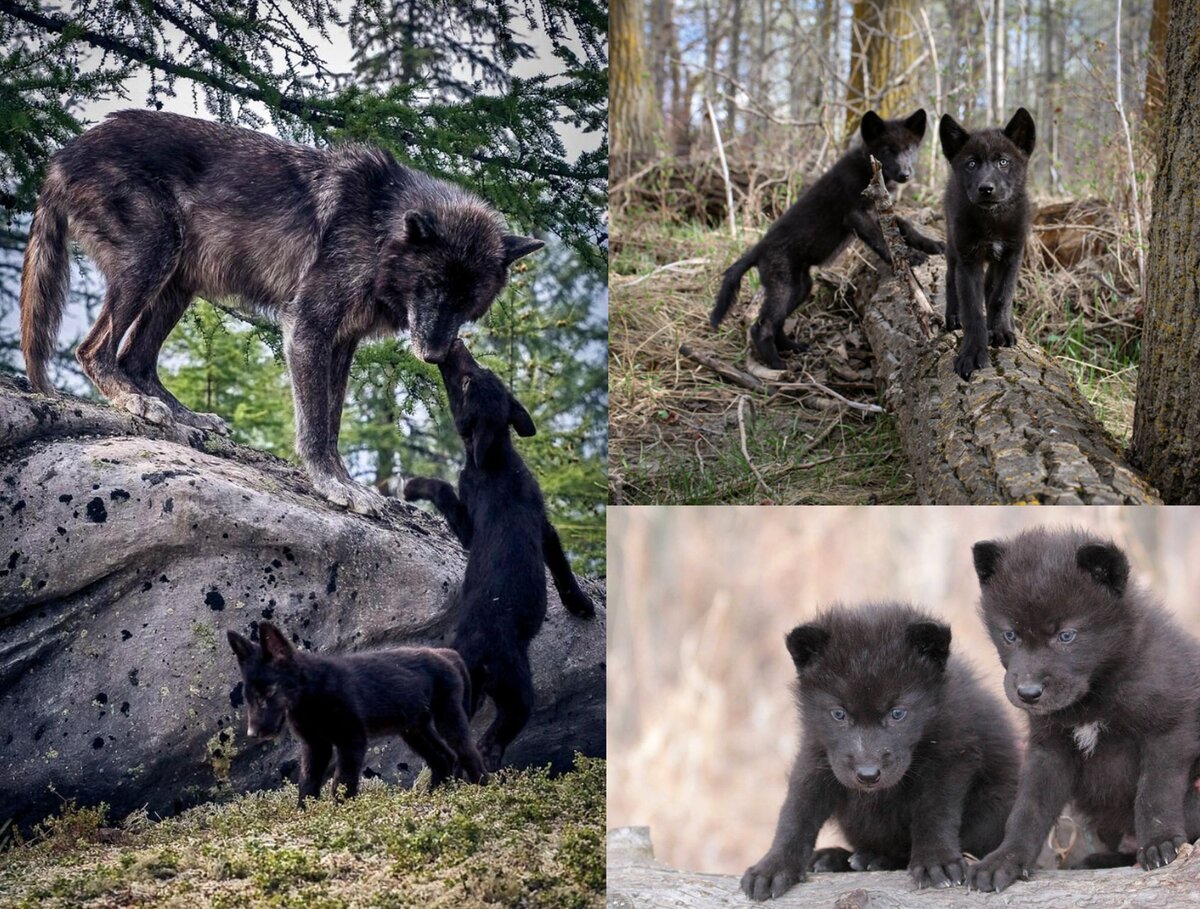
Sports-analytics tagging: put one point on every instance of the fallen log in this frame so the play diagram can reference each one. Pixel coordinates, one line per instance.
(1019, 432)
(637, 881)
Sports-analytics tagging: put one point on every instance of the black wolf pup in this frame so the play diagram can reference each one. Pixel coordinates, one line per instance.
(500, 519)
(820, 224)
(417, 693)
(987, 222)
(1112, 689)
(901, 746)
(339, 243)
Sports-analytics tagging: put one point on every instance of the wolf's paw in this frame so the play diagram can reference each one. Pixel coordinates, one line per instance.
(580, 604)
(348, 494)
(969, 359)
(419, 488)
(149, 409)
(788, 345)
(773, 876)
(1002, 336)
(832, 859)
(870, 861)
(995, 872)
(937, 871)
(916, 257)
(1158, 854)
(209, 422)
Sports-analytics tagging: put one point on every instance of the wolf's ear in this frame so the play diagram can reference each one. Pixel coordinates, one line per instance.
(1106, 564)
(987, 559)
(418, 227)
(519, 247)
(872, 127)
(953, 136)
(519, 418)
(931, 640)
(1021, 131)
(277, 648)
(805, 642)
(916, 124)
(243, 648)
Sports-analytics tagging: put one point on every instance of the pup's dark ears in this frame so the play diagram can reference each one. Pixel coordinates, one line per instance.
(872, 126)
(419, 227)
(243, 647)
(915, 124)
(518, 247)
(987, 556)
(277, 648)
(1021, 131)
(1106, 564)
(931, 640)
(805, 643)
(952, 136)
(519, 418)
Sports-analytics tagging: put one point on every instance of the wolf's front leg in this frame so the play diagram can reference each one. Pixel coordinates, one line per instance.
(314, 762)
(573, 598)
(1002, 287)
(866, 227)
(445, 500)
(350, 757)
(1163, 784)
(936, 857)
(918, 241)
(968, 285)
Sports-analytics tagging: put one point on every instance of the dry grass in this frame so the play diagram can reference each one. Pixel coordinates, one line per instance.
(701, 723)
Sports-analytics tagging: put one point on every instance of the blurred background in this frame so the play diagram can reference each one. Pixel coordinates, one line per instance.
(701, 724)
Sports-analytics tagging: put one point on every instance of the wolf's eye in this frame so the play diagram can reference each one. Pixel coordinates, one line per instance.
(838, 714)
(898, 713)
(971, 164)
(1003, 162)
(1067, 635)
(1010, 636)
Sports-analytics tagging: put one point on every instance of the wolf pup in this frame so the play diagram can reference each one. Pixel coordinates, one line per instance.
(1112, 688)
(500, 519)
(819, 226)
(987, 222)
(901, 746)
(418, 693)
(338, 243)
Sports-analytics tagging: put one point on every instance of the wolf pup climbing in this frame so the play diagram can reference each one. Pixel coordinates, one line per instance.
(340, 243)
(901, 746)
(1112, 688)
(500, 519)
(987, 222)
(819, 226)
(418, 693)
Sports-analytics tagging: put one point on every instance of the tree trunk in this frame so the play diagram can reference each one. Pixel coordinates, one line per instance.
(999, 56)
(1166, 423)
(1156, 65)
(634, 123)
(134, 548)
(637, 881)
(734, 66)
(885, 41)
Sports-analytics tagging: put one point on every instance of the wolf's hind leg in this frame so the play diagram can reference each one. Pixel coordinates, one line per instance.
(350, 757)
(832, 859)
(799, 293)
(767, 327)
(424, 739)
(511, 690)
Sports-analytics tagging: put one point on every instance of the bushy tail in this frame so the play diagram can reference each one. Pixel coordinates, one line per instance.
(44, 279)
(730, 284)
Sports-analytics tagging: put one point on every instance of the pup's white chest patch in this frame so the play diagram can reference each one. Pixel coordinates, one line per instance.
(1087, 737)
(997, 249)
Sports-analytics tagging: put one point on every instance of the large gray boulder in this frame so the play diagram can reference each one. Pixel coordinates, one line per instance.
(127, 551)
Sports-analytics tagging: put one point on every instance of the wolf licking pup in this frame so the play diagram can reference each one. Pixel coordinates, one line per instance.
(340, 244)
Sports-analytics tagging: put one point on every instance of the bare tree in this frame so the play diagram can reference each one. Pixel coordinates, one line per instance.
(634, 124)
(885, 46)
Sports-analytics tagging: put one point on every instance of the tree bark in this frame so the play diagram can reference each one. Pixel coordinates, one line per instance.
(131, 549)
(1166, 423)
(634, 121)
(1156, 65)
(637, 881)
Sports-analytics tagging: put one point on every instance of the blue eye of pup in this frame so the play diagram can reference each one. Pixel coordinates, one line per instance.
(1010, 636)
(971, 165)
(838, 714)
(1003, 162)
(1067, 636)
(899, 713)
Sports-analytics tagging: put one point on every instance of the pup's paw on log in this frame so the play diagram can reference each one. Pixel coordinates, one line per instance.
(773, 876)
(832, 859)
(1157, 854)
(872, 861)
(996, 872)
(937, 871)
(970, 358)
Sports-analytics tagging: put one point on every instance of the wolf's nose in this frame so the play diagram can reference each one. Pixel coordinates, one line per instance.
(868, 775)
(1029, 693)
(986, 189)
(904, 176)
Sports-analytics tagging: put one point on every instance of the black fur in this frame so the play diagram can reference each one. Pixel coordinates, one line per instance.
(987, 222)
(1081, 645)
(911, 790)
(500, 519)
(418, 693)
(820, 224)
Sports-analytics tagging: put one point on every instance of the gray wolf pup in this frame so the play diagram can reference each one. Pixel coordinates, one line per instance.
(500, 519)
(820, 224)
(1112, 689)
(987, 222)
(417, 693)
(901, 746)
(339, 243)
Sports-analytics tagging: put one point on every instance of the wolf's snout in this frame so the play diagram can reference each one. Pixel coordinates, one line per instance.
(986, 189)
(904, 176)
(868, 774)
(1030, 693)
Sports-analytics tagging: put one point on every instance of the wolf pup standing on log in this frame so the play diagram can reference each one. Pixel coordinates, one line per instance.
(418, 693)
(500, 519)
(901, 746)
(818, 227)
(987, 223)
(340, 243)
(1112, 688)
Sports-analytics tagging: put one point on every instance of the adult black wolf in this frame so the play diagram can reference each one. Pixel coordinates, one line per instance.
(819, 226)
(901, 746)
(500, 519)
(1112, 688)
(339, 243)
(987, 222)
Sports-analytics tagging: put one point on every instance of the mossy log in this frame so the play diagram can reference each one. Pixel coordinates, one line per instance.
(637, 881)
(130, 549)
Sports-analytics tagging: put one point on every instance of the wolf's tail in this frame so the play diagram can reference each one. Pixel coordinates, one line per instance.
(730, 284)
(44, 279)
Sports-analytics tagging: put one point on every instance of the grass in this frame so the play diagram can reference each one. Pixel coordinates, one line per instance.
(675, 433)
(525, 840)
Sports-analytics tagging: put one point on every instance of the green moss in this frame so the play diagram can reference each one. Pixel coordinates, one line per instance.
(205, 635)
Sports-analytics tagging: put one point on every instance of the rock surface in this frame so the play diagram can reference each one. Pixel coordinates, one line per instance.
(126, 552)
